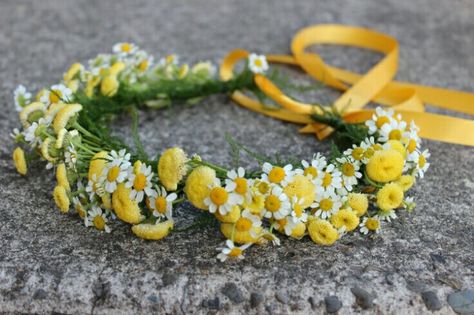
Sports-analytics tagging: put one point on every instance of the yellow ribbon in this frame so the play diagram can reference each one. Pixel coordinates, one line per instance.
(376, 85)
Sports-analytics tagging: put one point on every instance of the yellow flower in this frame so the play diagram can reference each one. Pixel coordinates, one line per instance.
(73, 85)
(61, 198)
(91, 84)
(47, 148)
(240, 237)
(385, 166)
(358, 203)
(54, 108)
(390, 197)
(73, 70)
(153, 231)
(117, 68)
(64, 115)
(322, 232)
(32, 112)
(183, 71)
(301, 187)
(345, 218)
(397, 146)
(126, 209)
(231, 217)
(197, 185)
(61, 176)
(97, 165)
(109, 85)
(20, 161)
(106, 201)
(256, 204)
(172, 167)
(406, 182)
(298, 230)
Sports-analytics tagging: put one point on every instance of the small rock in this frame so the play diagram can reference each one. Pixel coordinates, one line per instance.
(390, 278)
(169, 279)
(153, 298)
(332, 304)
(431, 300)
(363, 298)
(462, 302)
(312, 302)
(40, 294)
(438, 258)
(214, 304)
(282, 297)
(101, 290)
(256, 298)
(234, 294)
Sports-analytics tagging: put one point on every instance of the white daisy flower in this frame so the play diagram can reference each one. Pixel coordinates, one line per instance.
(393, 130)
(231, 251)
(70, 157)
(116, 170)
(101, 61)
(370, 224)
(124, 49)
(119, 157)
(350, 172)
(97, 217)
(94, 187)
(387, 215)
(247, 222)
(21, 97)
(379, 119)
(356, 153)
(412, 141)
(326, 204)
(258, 63)
(315, 167)
(15, 134)
(162, 204)
(221, 199)
(330, 179)
(237, 183)
(277, 205)
(30, 133)
(169, 60)
(276, 174)
(140, 182)
(420, 159)
(287, 224)
(56, 93)
(298, 213)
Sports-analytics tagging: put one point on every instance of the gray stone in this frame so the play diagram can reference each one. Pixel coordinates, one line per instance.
(431, 300)
(312, 302)
(256, 298)
(363, 298)
(232, 291)
(169, 279)
(40, 294)
(213, 304)
(333, 304)
(282, 297)
(462, 302)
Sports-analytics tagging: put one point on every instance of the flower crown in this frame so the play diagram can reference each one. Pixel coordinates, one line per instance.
(358, 188)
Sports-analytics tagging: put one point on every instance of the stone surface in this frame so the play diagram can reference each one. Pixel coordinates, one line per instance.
(431, 300)
(363, 298)
(83, 271)
(332, 304)
(462, 302)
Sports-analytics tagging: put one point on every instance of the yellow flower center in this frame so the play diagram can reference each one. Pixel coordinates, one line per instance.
(348, 169)
(382, 120)
(281, 222)
(126, 47)
(243, 224)
(276, 175)
(421, 161)
(298, 210)
(258, 63)
(80, 210)
(219, 196)
(411, 145)
(99, 222)
(326, 204)
(263, 187)
(272, 203)
(372, 224)
(357, 153)
(55, 96)
(241, 185)
(327, 179)
(140, 182)
(377, 147)
(235, 252)
(395, 134)
(113, 173)
(368, 153)
(160, 204)
(143, 65)
(169, 59)
(311, 171)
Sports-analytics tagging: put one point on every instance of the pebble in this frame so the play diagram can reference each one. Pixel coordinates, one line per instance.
(214, 304)
(363, 298)
(462, 302)
(169, 279)
(431, 300)
(332, 304)
(40, 294)
(256, 298)
(234, 294)
(282, 297)
(312, 302)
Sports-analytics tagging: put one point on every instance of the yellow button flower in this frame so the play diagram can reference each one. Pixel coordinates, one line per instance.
(406, 182)
(97, 164)
(172, 167)
(303, 188)
(231, 217)
(153, 231)
(20, 161)
(61, 176)
(322, 232)
(389, 197)
(358, 203)
(385, 166)
(345, 218)
(197, 185)
(61, 198)
(397, 146)
(243, 236)
(73, 70)
(126, 209)
(64, 115)
(109, 85)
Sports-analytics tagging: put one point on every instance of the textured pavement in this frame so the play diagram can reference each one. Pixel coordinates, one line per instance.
(50, 263)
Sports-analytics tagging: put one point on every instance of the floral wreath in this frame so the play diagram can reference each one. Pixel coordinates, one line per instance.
(359, 187)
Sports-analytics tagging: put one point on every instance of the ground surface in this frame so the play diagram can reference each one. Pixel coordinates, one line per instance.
(50, 263)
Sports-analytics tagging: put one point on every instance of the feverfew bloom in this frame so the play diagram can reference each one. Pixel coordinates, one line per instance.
(162, 204)
(21, 97)
(231, 251)
(96, 217)
(31, 132)
(387, 215)
(277, 205)
(298, 214)
(326, 204)
(56, 93)
(421, 161)
(116, 169)
(140, 182)
(379, 119)
(124, 49)
(221, 199)
(330, 179)
(370, 224)
(313, 169)
(236, 182)
(94, 187)
(247, 223)
(350, 172)
(258, 63)
(276, 174)
(393, 130)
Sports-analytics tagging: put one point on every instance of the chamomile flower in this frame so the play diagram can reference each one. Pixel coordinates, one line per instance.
(421, 161)
(379, 119)
(326, 204)
(350, 172)
(56, 93)
(412, 141)
(79, 207)
(169, 60)
(162, 204)
(236, 182)
(221, 199)
(70, 157)
(124, 49)
(21, 97)
(258, 63)
(97, 218)
(248, 222)
(276, 174)
(31, 133)
(298, 213)
(393, 130)
(356, 153)
(387, 215)
(277, 205)
(370, 224)
(315, 167)
(231, 251)
(119, 157)
(286, 225)
(409, 204)
(16, 134)
(330, 179)
(140, 182)
(115, 173)
(94, 187)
